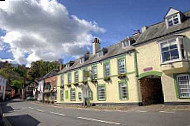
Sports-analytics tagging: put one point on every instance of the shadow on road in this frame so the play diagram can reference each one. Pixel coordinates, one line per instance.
(17, 120)
(23, 120)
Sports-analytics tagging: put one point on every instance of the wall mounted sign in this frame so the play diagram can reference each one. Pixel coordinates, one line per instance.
(147, 69)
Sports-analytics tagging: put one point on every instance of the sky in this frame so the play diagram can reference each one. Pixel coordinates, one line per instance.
(32, 30)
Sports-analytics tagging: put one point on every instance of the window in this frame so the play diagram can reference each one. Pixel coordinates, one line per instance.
(62, 80)
(76, 76)
(100, 53)
(72, 94)
(82, 60)
(172, 50)
(123, 91)
(101, 93)
(126, 43)
(69, 78)
(173, 20)
(80, 96)
(106, 69)
(94, 72)
(62, 95)
(183, 86)
(121, 66)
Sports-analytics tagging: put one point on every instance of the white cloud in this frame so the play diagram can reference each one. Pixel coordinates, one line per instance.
(43, 29)
(8, 60)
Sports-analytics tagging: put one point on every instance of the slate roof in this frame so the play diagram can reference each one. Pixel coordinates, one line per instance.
(50, 74)
(159, 30)
(113, 50)
(156, 31)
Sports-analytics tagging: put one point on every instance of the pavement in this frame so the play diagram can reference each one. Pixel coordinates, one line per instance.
(24, 113)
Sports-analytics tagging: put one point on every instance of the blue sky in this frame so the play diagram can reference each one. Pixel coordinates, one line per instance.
(120, 18)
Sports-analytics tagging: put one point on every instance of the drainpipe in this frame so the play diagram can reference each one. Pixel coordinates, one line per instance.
(136, 77)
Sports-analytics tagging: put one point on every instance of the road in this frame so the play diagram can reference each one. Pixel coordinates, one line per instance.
(23, 113)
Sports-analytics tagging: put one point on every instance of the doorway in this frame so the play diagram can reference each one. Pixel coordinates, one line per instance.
(151, 90)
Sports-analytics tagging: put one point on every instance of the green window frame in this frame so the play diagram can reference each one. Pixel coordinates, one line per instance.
(69, 78)
(94, 71)
(182, 84)
(121, 62)
(106, 69)
(76, 73)
(61, 95)
(83, 74)
(66, 94)
(123, 90)
(80, 96)
(72, 94)
(62, 79)
(101, 92)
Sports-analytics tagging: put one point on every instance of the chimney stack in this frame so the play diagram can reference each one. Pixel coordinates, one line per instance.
(143, 29)
(95, 45)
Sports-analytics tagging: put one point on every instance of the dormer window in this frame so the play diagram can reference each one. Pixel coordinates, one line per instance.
(67, 65)
(173, 17)
(126, 43)
(173, 20)
(82, 60)
(100, 53)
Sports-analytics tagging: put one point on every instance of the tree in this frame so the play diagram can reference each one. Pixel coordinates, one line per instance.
(39, 68)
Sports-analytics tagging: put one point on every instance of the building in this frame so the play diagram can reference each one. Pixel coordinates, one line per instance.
(3, 83)
(151, 66)
(50, 89)
(30, 88)
(163, 52)
(40, 89)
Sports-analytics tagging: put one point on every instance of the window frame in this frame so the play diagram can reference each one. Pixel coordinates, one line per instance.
(72, 90)
(69, 78)
(104, 68)
(178, 86)
(127, 94)
(96, 71)
(76, 80)
(62, 80)
(121, 58)
(62, 95)
(126, 44)
(98, 97)
(179, 43)
(171, 17)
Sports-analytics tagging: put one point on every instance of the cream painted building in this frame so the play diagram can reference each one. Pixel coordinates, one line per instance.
(146, 68)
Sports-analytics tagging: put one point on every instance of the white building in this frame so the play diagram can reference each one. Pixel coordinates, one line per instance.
(2, 87)
(40, 90)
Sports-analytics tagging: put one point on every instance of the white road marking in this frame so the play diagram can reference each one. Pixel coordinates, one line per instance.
(166, 112)
(30, 108)
(39, 110)
(57, 113)
(91, 119)
(141, 111)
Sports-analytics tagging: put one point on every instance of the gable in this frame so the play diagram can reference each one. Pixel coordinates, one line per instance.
(171, 12)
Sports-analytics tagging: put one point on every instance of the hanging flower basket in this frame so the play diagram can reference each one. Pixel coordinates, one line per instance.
(122, 76)
(107, 79)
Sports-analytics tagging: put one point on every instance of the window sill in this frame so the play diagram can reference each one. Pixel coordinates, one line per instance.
(173, 61)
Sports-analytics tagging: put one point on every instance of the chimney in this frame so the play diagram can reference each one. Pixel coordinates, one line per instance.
(95, 46)
(143, 29)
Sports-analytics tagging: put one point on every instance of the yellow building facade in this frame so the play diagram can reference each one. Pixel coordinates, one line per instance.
(147, 68)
